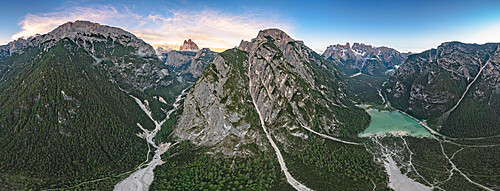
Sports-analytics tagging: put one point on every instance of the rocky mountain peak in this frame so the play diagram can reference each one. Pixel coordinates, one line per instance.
(79, 24)
(362, 45)
(272, 76)
(13, 46)
(189, 45)
(339, 47)
(274, 33)
(87, 28)
(367, 59)
(274, 36)
(161, 50)
(19, 43)
(188, 65)
(86, 33)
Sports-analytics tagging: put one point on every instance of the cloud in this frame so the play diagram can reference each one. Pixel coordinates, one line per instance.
(42, 23)
(208, 27)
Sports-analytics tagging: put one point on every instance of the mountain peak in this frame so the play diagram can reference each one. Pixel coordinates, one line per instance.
(85, 31)
(272, 76)
(79, 24)
(189, 45)
(273, 33)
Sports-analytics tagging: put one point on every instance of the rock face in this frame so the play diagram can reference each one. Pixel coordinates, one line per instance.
(12, 47)
(292, 86)
(160, 51)
(88, 32)
(129, 60)
(188, 64)
(430, 85)
(374, 61)
(189, 46)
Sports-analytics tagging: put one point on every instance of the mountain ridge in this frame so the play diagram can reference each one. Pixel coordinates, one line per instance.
(66, 94)
(268, 45)
(366, 59)
(188, 64)
(298, 97)
(269, 114)
(87, 31)
(430, 85)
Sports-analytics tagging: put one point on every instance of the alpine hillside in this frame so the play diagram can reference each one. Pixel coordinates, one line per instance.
(456, 87)
(271, 99)
(65, 111)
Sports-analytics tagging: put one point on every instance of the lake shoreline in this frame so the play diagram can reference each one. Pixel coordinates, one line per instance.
(387, 122)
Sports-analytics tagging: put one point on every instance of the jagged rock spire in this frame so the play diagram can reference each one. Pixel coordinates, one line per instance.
(189, 45)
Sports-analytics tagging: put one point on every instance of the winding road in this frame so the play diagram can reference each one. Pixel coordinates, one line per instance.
(449, 139)
(331, 138)
(454, 168)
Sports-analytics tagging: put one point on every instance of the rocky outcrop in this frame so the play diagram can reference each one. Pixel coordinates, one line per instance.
(200, 62)
(85, 33)
(178, 60)
(293, 87)
(189, 46)
(428, 85)
(218, 110)
(161, 51)
(188, 64)
(366, 59)
(12, 47)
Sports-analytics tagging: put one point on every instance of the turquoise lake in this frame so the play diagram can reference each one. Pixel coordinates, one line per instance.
(392, 122)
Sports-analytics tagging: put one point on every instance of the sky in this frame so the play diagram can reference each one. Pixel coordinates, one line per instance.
(404, 25)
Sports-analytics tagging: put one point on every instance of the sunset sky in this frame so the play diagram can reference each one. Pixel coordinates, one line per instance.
(404, 25)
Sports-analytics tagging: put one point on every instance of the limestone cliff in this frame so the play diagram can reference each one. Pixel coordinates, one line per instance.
(292, 86)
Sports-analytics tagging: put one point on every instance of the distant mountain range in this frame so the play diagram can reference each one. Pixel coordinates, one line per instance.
(87, 105)
(366, 59)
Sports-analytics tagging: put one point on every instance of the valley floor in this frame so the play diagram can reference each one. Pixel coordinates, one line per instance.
(446, 149)
(143, 177)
